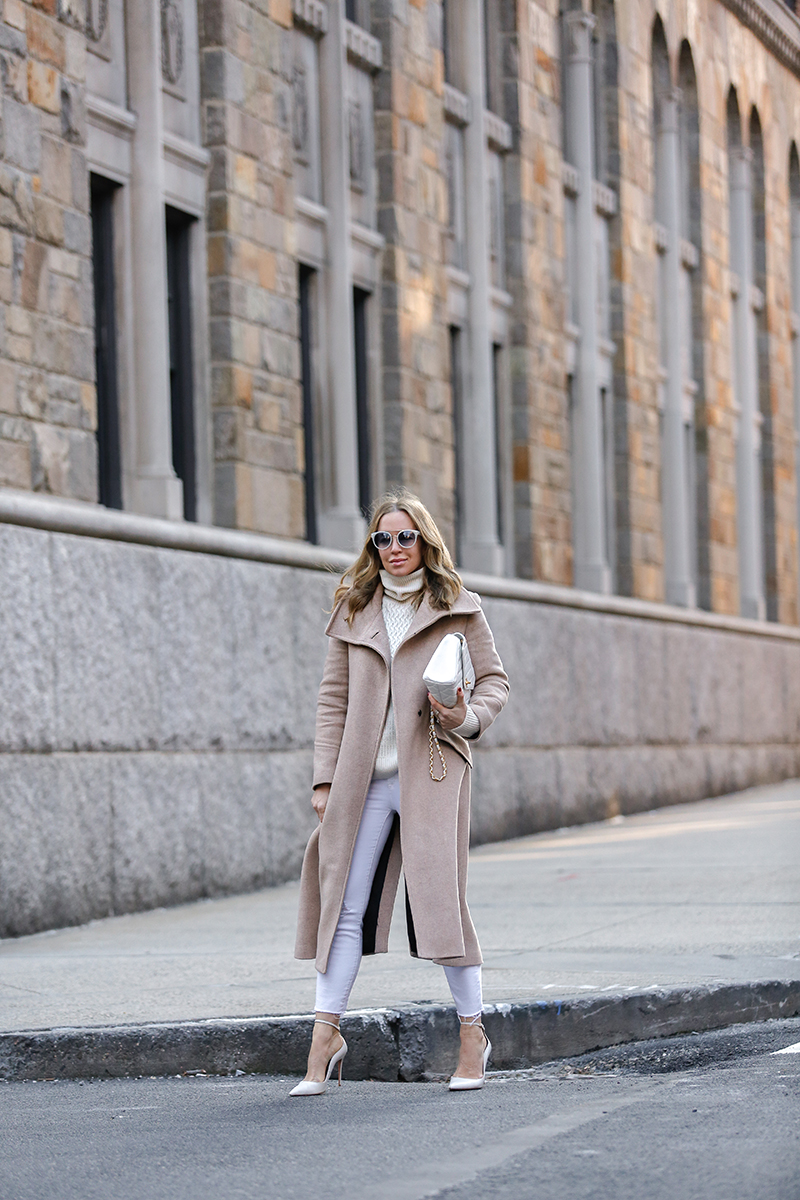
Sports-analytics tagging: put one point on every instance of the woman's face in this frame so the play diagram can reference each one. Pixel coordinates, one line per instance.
(395, 560)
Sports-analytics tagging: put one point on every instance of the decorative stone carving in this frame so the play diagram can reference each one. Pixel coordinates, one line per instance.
(71, 12)
(578, 26)
(96, 19)
(171, 41)
(300, 113)
(356, 141)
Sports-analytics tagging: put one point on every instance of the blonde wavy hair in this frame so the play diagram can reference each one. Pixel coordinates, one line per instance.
(442, 582)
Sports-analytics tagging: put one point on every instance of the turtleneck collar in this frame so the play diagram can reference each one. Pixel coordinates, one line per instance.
(403, 587)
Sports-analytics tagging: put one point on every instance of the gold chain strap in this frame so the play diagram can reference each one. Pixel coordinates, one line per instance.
(434, 741)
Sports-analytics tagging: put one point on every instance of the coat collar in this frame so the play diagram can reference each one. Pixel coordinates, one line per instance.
(369, 629)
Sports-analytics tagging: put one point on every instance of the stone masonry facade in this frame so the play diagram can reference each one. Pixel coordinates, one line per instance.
(254, 359)
(383, 399)
(47, 415)
(412, 216)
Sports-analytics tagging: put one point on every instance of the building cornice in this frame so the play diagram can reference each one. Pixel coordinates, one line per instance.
(82, 519)
(774, 25)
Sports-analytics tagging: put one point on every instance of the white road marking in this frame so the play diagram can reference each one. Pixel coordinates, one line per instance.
(795, 1049)
(432, 1178)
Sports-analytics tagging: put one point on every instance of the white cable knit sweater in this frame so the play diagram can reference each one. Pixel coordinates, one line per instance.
(399, 592)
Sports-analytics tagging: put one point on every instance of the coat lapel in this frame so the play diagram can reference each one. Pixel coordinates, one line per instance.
(427, 615)
(368, 627)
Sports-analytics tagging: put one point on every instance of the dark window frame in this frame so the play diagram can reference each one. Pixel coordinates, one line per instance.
(305, 301)
(455, 338)
(109, 454)
(181, 359)
(361, 299)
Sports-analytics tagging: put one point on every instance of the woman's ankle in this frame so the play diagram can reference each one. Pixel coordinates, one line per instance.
(473, 1022)
(327, 1019)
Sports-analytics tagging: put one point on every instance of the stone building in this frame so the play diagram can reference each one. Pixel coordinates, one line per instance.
(261, 259)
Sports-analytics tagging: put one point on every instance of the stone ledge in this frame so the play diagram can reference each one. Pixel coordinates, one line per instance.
(92, 520)
(363, 50)
(407, 1044)
(311, 14)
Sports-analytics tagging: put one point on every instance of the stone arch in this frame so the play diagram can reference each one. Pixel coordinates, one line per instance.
(659, 63)
(794, 174)
(733, 120)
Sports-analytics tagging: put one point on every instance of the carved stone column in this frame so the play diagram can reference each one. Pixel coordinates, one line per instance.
(156, 489)
(591, 570)
(678, 576)
(749, 498)
(480, 544)
(341, 523)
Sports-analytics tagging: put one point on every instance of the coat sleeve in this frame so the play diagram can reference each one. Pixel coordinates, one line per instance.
(491, 682)
(331, 712)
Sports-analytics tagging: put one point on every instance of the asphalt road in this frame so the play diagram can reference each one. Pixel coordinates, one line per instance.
(713, 1116)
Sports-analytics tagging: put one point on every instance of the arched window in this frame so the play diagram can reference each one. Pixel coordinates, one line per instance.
(676, 259)
(745, 303)
(591, 156)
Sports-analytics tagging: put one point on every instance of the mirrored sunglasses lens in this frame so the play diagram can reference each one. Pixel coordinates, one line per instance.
(382, 540)
(406, 538)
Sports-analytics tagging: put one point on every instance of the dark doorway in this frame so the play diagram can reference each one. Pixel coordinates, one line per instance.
(360, 329)
(305, 293)
(497, 352)
(181, 375)
(109, 464)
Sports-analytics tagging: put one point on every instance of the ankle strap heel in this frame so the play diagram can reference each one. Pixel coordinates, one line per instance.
(461, 1083)
(313, 1087)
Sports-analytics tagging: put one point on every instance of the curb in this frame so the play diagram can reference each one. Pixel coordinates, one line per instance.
(391, 1044)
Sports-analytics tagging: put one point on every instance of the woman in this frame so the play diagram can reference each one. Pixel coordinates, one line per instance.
(378, 786)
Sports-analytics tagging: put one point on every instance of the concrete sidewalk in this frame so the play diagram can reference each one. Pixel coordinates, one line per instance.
(669, 921)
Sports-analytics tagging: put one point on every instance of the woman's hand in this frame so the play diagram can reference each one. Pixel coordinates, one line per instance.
(319, 799)
(450, 718)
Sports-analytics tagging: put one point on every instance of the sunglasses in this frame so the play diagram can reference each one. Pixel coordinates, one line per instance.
(406, 538)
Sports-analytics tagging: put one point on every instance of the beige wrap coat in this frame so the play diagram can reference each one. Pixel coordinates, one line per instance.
(430, 842)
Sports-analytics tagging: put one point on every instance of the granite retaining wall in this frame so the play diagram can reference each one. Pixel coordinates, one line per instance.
(157, 715)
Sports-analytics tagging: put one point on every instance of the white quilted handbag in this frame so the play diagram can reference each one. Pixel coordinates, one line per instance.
(449, 668)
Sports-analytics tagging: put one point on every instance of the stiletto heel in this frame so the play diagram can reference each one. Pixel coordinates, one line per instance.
(314, 1087)
(460, 1083)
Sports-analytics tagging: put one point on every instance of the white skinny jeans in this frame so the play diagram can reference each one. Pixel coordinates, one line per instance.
(335, 984)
